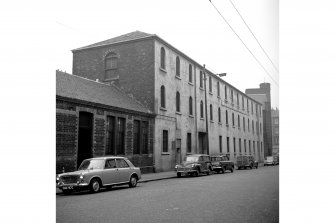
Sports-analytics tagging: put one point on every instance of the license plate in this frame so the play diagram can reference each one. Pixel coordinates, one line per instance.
(68, 188)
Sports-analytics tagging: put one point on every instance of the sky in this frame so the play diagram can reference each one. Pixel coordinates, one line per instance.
(192, 26)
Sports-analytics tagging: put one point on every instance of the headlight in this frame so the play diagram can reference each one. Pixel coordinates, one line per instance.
(193, 165)
(81, 177)
(57, 178)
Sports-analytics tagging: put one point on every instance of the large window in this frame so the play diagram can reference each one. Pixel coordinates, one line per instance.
(240, 145)
(243, 124)
(238, 100)
(253, 127)
(190, 75)
(162, 58)
(245, 146)
(162, 96)
(177, 66)
(165, 141)
(201, 80)
(110, 135)
(210, 84)
(111, 61)
(218, 88)
(248, 125)
(120, 135)
(249, 146)
(253, 145)
(232, 96)
(242, 103)
(211, 112)
(189, 142)
(136, 137)
(219, 114)
(234, 143)
(220, 143)
(145, 137)
(227, 144)
(233, 119)
(227, 123)
(177, 101)
(238, 121)
(190, 105)
(225, 92)
(247, 105)
(201, 109)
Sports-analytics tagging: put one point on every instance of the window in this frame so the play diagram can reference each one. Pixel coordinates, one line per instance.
(201, 80)
(218, 88)
(249, 147)
(225, 92)
(227, 123)
(253, 145)
(256, 109)
(165, 141)
(248, 126)
(211, 112)
(110, 164)
(220, 143)
(190, 79)
(190, 106)
(247, 105)
(162, 96)
(240, 145)
(121, 163)
(245, 146)
(261, 147)
(238, 100)
(111, 61)
(210, 84)
(253, 129)
(162, 58)
(145, 137)
(120, 136)
(257, 131)
(177, 101)
(260, 127)
(201, 109)
(110, 135)
(136, 137)
(219, 114)
(189, 142)
(177, 67)
(238, 121)
(227, 144)
(234, 142)
(233, 119)
(243, 124)
(242, 102)
(252, 108)
(232, 96)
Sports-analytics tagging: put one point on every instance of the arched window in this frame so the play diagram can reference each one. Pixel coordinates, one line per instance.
(190, 106)
(211, 112)
(111, 60)
(162, 58)
(201, 109)
(177, 101)
(177, 67)
(233, 121)
(190, 73)
(219, 114)
(201, 80)
(227, 123)
(162, 96)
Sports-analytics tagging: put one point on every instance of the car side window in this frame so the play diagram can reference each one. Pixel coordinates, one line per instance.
(110, 164)
(121, 163)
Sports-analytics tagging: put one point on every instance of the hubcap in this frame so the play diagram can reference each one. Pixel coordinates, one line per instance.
(95, 186)
(133, 181)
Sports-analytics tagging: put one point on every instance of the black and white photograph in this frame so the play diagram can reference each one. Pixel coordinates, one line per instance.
(165, 111)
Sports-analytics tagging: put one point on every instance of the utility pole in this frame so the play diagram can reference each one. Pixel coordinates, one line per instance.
(207, 137)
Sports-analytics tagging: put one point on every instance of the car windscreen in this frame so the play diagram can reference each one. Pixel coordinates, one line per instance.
(91, 164)
(215, 159)
(191, 158)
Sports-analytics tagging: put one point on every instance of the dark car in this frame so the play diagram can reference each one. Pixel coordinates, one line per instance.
(194, 165)
(221, 163)
(99, 172)
(244, 162)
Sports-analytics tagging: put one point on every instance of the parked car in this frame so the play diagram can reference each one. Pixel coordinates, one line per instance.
(194, 165)
(269, 161)
(100, 172)
(276, 159)
(244, 162)
(221, 163)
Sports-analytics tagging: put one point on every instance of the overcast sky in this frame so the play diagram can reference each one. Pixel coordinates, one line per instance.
(192, 26)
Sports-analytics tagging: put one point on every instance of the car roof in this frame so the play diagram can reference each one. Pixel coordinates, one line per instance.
(198, 155)
(107, 157)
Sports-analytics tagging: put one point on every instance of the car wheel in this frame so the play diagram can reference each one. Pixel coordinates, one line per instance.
(94, 186)
(178, 174)
(223, 170)
(232, 169)
(196, 174)
(133, 181)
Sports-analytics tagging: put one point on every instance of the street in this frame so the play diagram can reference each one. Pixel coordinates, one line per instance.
(242, 196)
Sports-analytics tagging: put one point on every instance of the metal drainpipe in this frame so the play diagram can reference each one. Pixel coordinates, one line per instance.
(195, 110)
(207, 135)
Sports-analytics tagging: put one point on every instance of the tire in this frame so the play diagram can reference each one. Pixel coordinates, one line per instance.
(178, 175)
(196, 174)
(232, 169)
(133, 181)
(94, 186)
(257, 167)
(223, 170)
(208, 172)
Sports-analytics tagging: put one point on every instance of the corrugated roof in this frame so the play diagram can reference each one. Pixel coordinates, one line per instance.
(75, 87)
(122, 38)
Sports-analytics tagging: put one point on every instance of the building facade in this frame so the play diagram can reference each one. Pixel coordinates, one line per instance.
(263, 95)
(182, 95)
(275, 131)
(96, 119)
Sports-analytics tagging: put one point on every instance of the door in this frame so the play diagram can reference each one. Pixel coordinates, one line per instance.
(202, 143)
(109, 175)
(123, 171)
(84, 137)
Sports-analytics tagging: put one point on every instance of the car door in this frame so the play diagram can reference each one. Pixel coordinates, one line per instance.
(123, 170)
(109, 175)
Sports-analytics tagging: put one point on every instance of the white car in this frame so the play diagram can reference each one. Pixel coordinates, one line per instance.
(269, 161)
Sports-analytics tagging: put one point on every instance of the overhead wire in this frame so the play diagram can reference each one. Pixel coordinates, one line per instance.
(244, 43)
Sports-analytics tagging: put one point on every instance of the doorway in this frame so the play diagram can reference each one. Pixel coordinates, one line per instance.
(84, 137)
(202, 143)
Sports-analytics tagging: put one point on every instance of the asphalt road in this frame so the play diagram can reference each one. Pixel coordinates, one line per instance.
(242, 196)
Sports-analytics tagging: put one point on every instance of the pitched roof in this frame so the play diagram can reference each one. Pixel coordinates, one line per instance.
(75, 87)
(122, 38)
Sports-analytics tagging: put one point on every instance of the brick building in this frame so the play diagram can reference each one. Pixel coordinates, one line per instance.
(275, 131)
(263, 95)
(96, 119)
(173, 87)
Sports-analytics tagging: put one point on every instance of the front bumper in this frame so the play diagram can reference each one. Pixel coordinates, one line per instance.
(185, 170)
(72, 186)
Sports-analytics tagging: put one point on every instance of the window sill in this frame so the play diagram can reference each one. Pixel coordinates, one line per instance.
(177, 77)
(190, 83)
(165, 153)
(191, 116)
(211, 93)
(219, 96)
(162, 69)
(227, 125)
(202, 119)
(220, 123)
(233, 126)
(211, 121)
(162, 109)
(178, 113)
(201, 88)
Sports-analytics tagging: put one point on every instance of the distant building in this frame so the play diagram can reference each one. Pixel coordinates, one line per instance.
(275, 131)
(172, 86)
(263, 95)
(96, 119)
